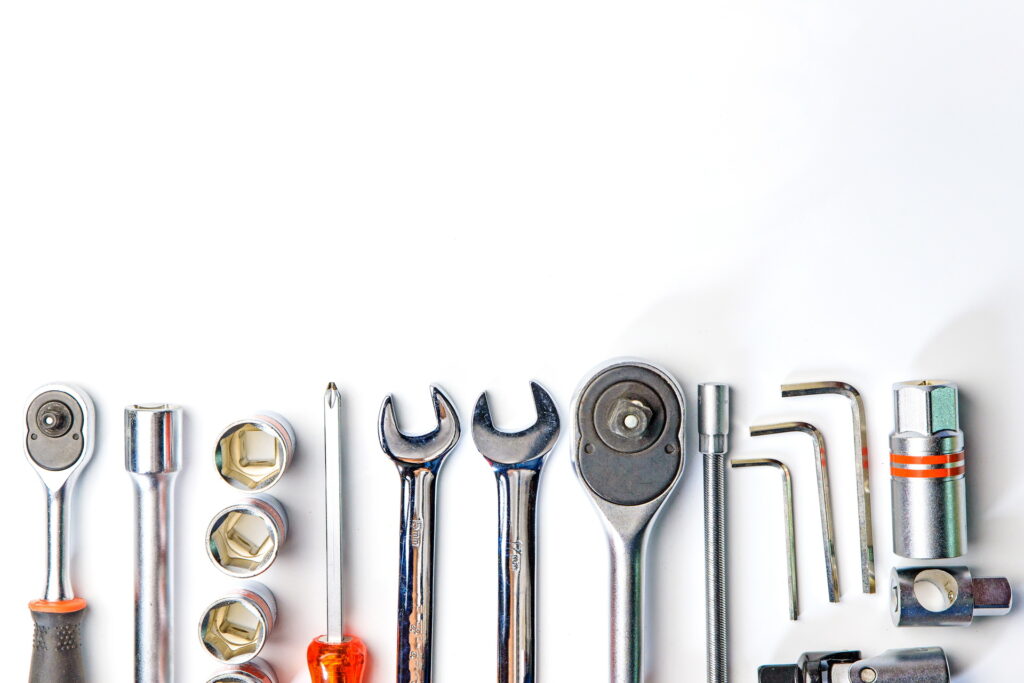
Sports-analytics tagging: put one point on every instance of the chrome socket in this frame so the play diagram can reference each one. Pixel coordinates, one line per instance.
(929, 494)
(945, 596)
(244, 539)
(252, 454)
(253, 671)
(235, 628)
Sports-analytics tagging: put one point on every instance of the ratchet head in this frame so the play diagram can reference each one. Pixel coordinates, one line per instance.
(424, 449)
(505, 448)
(630, 421)
(60, 421)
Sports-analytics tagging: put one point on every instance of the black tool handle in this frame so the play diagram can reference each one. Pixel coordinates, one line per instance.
(57, 644)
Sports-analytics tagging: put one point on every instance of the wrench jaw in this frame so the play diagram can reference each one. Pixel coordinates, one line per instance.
(424, 450)
(525, 449)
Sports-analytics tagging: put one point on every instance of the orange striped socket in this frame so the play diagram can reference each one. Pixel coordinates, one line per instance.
(955, 459)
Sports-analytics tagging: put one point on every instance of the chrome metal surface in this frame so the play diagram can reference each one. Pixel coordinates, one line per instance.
(928, 469)
(787, 508)
(60, 425)
(254, 671)
(628, 478)
(418, 459)
(945, 596)
(860, 458)
(244, 539)
(333, 501)
(914, 665)
(235, 628)
(517, 460)
(713, 440)
(824, 496)
(152, 458)
(253, 454)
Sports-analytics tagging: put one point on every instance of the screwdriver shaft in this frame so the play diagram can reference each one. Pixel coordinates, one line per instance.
(332, 464)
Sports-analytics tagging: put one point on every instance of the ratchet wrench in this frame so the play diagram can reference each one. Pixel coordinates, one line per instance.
(419, 459)
(517, 460)
(60, 422)
(630, 427)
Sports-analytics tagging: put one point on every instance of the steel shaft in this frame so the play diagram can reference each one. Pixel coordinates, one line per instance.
(713, 427)
(152, 455)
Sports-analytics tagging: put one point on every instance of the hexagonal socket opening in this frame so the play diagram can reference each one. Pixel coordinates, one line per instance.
(243, 540)
(233, 630)
(252, 455)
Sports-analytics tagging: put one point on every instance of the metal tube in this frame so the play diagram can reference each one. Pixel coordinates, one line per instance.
(628, 607)
(152, 454)
(713, 427)
(58, 583)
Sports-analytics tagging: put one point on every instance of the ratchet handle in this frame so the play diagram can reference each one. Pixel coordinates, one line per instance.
(57, 643)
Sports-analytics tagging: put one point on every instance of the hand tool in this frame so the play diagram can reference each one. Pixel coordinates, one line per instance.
(517, 460)
(916, 665)
(243, 539)
(253, 671)
(152, 440)
(824, 496)
(419, 460)
(929, 486)
(713, 429)
(629, 425)
(334, 657)
(252, 454)
(235, 628)
(960, 597)
(60, 422)
(860, 448)
(787, 501)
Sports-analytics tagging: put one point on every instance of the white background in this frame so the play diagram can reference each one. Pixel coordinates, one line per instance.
(227, 204)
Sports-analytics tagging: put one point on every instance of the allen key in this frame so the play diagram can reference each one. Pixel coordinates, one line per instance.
(860, 454)
(787, 502)
(824, 495)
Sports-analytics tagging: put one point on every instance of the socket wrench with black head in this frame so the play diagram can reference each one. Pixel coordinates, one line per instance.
(629, 420)
(60, 421)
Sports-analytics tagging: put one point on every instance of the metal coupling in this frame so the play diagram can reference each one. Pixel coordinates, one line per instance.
(929, 495)
(946, 596)
(713, 418)
(235, 628)
(243, 539)
(152, 439)
(254, 671)
(253, 453)
(915, 665)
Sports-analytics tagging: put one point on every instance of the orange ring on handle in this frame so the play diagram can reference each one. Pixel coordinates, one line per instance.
(57, 606)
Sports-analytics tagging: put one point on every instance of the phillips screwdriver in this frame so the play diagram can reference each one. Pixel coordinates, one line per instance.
(335, 657)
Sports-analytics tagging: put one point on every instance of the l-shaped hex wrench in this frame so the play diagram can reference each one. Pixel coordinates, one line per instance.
(419, 460)
(517, 460)
(787, 507)
(828, 538)
(152, 440)
(860, 455)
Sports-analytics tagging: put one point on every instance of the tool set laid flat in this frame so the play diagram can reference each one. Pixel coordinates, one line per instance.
(628, 451)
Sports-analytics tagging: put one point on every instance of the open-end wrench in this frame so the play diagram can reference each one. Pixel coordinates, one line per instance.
(630, 423)
(60, 421)
(419, 460)
(517, 460)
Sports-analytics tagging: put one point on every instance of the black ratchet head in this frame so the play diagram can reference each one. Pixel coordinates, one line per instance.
(629, 419)
(59, 421)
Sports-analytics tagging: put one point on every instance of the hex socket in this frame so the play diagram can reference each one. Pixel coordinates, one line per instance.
(235, 627)
(929, 492)
(243, 539)
(152, 457)
(254, 671)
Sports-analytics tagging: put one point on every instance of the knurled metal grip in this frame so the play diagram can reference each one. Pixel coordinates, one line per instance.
(928, 468)
(624, 428)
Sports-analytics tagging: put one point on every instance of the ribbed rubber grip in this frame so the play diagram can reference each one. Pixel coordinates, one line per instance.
(57, 643)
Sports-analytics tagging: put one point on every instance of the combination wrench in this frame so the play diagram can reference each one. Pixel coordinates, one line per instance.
(517, 459)
(418, 459)
(629, 423)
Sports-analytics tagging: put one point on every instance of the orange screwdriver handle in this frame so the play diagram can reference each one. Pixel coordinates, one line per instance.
(343, 662)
